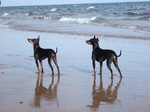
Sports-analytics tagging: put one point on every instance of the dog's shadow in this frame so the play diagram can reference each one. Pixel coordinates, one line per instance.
(46, 93)
(104, 95)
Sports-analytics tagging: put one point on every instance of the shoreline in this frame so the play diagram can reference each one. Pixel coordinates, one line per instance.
(76, 89)
(81, 34)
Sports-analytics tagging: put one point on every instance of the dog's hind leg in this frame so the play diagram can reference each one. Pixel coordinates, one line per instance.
(101, 65)
(116, 65)
(55, 61)
(50, 64)
(109, 66)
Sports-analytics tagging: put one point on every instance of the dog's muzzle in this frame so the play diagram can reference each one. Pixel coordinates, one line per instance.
(88, 42)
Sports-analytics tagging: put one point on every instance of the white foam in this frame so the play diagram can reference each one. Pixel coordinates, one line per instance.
(5, 14)
(91, 7)
(54, 9)
(75, 5)
(27, 14)
(4, 26)
(142, 31)
(78, 20)
(44, 17)
(132, 27)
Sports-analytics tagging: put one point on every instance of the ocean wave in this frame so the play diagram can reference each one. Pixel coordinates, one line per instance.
(4, 26)
(145, 18)
(29, 14)
(54, 9)
(6, 14)
(137, 14)
(131, 9)
(91, 7)
(75, 5)
(93, 18)
(78, 20)
(132, 14)
(142, 31)
(43, 17)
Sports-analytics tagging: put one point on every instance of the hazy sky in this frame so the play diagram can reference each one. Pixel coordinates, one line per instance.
(49, 2)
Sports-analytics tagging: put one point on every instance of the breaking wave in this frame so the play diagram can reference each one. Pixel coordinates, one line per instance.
(43, 17)
(6, 14)
(78, 20)
(29, 14)
(91, 8)
(54, 9)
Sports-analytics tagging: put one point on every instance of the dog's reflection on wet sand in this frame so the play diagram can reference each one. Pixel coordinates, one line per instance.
(46, 93)
(104, 95)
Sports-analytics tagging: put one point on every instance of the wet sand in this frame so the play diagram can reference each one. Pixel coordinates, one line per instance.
(76, 89)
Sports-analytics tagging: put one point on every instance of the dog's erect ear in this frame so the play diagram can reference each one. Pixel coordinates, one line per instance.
(38, 38)
(97, 39)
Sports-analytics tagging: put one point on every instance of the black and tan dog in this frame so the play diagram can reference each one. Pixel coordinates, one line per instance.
(41, 54)
(101, 55)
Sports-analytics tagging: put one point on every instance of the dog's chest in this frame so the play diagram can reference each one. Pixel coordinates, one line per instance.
(36, 55)
(98, 56)
(39, 54)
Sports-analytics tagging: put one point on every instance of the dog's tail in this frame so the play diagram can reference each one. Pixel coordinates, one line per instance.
(119, 54)
(56, 50)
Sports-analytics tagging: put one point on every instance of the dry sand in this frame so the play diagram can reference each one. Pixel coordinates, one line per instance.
(76, 89)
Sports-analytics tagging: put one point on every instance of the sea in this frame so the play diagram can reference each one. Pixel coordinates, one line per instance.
(117, 20)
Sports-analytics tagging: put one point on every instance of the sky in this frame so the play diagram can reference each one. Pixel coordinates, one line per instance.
(55, 2)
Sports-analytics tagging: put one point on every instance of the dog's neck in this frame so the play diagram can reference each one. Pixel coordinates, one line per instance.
(35, 46)
(95, 45)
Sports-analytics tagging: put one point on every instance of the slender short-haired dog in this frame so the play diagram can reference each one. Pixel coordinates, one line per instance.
(41, 54)
(101, 55)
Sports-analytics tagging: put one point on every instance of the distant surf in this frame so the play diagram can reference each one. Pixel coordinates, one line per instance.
(121, 20)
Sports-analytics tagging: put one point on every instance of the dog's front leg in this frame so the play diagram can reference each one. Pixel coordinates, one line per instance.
(41, 66)
(94, 67)
(36, 61)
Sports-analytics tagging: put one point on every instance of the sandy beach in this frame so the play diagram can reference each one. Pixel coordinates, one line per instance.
(76, 89)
